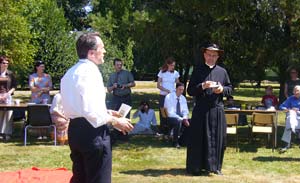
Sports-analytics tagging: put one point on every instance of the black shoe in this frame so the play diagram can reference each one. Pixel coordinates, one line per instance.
(218, 172)
(195, 172)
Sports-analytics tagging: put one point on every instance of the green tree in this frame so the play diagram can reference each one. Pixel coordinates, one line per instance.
(15, 38)
(113, 19)
(256, 35)
(51, 36)
(76, 13)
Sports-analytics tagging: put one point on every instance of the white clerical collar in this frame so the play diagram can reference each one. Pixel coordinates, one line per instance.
(210, 66)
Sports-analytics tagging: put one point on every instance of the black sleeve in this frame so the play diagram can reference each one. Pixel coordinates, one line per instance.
(227, 88)
(195, 87)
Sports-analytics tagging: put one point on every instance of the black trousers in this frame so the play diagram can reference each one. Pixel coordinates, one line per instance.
(118, 100)
(176, 125)
(90, 152)
(116, 104)
(164, 127)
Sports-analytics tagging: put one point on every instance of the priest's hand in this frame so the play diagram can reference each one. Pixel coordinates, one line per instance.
(208, 84)
(218, 90)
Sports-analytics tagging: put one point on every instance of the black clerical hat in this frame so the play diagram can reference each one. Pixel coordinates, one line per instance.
(213, 47)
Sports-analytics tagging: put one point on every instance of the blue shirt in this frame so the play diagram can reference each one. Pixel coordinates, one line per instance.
(289, 103)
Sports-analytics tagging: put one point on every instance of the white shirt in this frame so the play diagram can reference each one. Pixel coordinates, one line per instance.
(168, 80)
(56, 104)
(146, 119)
(171, 103)
(83, 93)
(3, 74)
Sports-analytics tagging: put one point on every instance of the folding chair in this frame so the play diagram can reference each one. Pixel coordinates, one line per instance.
(38, 116)
(232, 122)
(264, 123)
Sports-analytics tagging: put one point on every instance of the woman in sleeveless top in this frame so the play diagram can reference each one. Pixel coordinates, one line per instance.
(8, 85)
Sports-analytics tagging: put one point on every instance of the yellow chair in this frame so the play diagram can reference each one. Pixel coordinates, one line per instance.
(264, 123)
(164, 112)
(232, 122)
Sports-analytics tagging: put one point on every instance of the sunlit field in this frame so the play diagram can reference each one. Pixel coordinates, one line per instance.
(151, 159)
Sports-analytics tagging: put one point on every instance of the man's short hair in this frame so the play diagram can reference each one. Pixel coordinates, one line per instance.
(86, 42)
(117, 60)
(4, 58)
(179, 84)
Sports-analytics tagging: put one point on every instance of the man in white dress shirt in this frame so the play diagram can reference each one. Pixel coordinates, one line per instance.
(178, 112)
(83, 99)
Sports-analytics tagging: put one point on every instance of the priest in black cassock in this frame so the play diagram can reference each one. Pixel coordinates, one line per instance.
(207, 137)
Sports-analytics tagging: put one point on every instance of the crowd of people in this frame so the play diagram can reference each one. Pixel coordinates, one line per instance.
(85, 122)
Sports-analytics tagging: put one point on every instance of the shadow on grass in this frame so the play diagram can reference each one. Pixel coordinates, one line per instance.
(157, 172)
(272, 158)
(142, 142)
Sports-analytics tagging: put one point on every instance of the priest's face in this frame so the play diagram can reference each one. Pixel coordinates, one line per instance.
(211, 57)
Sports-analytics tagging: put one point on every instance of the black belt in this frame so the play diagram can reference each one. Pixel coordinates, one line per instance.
(122, 96)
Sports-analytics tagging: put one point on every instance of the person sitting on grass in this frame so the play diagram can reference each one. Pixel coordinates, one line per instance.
(269, 100)
(292, 106)
(147, 123)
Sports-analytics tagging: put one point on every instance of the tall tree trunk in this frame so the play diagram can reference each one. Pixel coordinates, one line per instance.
(282, 78)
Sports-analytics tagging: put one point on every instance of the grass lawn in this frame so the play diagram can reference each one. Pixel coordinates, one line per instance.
(151, 160)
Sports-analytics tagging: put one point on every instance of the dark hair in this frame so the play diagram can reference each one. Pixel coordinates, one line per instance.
(37, 64)
(117, 60)
(4, 58)
(293, 68)
(86, 42)
(179, 84)
(168, 61)
(143, 103)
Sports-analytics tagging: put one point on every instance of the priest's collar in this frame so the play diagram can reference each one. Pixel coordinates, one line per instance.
(210, 66)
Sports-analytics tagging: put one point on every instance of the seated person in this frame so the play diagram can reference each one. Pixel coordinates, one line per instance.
(292, 106)
(59, 119)
(269, 100)
(231, 105)
(147, 120)
(178, 112)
